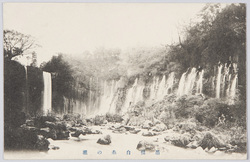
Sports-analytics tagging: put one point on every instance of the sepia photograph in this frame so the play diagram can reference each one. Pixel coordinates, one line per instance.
(124, 81)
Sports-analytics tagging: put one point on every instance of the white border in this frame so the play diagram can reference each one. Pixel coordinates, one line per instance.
(117, 1)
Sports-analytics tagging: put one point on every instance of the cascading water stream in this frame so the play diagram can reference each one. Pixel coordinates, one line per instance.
(47, 93)
(218, 83)
(188, 82)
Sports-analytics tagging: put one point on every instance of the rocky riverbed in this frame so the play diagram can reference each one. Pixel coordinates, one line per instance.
(73, 138)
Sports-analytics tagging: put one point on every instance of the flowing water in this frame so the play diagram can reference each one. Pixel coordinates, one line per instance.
(47, 93)
(121, 143)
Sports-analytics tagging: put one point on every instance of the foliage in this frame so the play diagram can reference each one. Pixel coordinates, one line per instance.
(16, 43)
(62, 80)
(219, 35)
(115, 118)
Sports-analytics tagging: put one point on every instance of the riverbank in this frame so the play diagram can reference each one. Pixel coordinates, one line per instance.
(86, 146)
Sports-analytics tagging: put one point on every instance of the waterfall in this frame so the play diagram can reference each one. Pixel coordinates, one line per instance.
(163, 88)
(188, 82)
(114, 97)
(181, 86)
(26, 108)
(170, 83)
(47, 93)
(154, 88)
(108, 98)
(131, 95)
(233, 89)
(218, 83)
(200, 82)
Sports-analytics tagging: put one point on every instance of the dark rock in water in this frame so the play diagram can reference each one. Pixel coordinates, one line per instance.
(91, 131)
(145, 145)
(62, 135)
(54, 147)
(106, 140)
(41, 143)
(134, 131)
(181, 140)
(49, 124)
(40, 121)
(129, 128)
(209, 141)
(52, 134)
(77, 133)
(149, 134)
(120, 130)
(61, 126)
(73, 129)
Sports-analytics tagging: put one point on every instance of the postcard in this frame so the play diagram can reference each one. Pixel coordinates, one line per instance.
(124, 81)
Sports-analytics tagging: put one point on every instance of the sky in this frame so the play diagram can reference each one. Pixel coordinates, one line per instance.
(73, 28)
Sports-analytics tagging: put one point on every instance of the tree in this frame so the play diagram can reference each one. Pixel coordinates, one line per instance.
(16, 43)
(62, 80)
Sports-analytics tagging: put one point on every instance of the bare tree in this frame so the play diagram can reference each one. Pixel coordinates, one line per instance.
(16, 43)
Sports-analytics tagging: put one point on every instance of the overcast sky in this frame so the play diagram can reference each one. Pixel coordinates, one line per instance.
(76, 27)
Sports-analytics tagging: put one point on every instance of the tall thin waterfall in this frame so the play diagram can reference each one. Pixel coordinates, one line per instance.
(47, 93)
(26, 108)
(233, 89)
(218, 83)
(200, 82)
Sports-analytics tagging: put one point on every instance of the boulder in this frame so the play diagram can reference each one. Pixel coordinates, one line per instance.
(128, 128)
(54, 147)
(99, 120)
(77, 133)
(147, 124)
(210, 140)
(40, 121)
(186, 126)
(106, 140)
(24, 138)
(45, 132)
(134, 131)
(145, 145)
(49, 124)
(62, 135)
(120, 130)
(41, 143)
(149, 134)
(160, 127)
(182, 140)
(91, 131)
